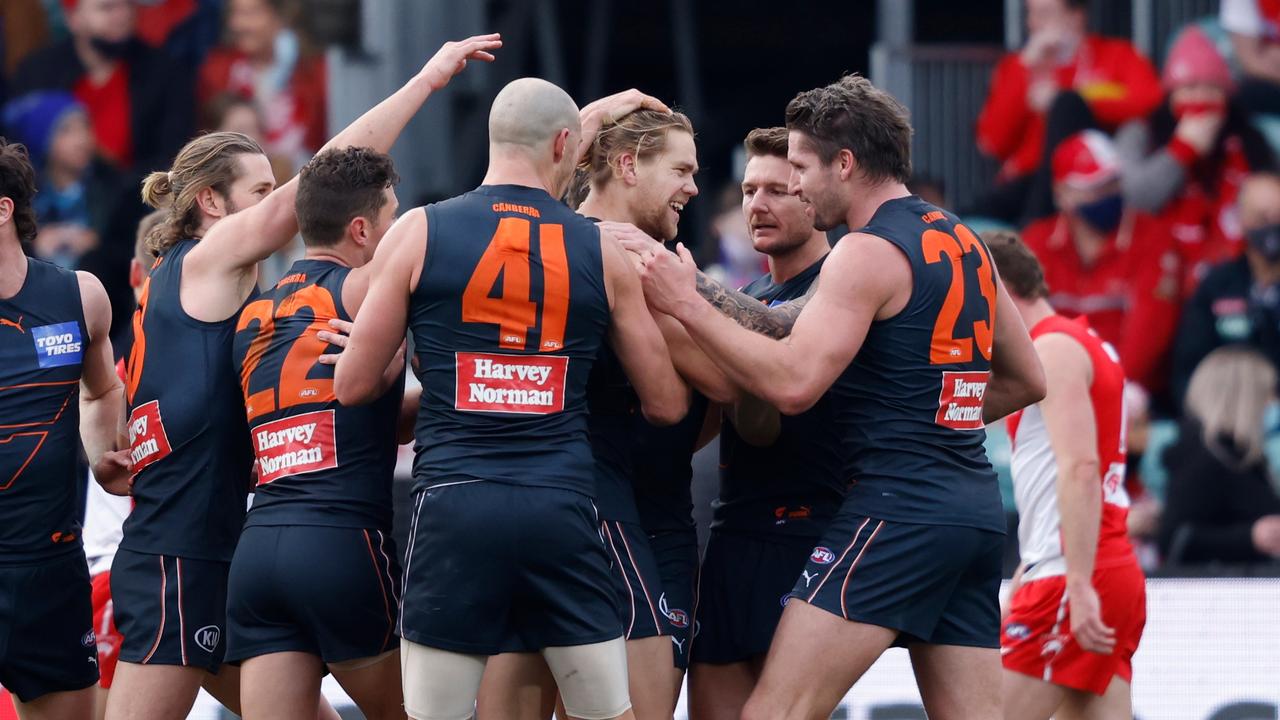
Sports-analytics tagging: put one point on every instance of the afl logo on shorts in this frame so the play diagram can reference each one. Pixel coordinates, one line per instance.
(89, 639)
(679, 618)
(822, 556)
(207, 637)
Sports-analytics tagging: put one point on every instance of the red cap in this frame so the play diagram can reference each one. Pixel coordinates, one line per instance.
(1085, 159)
(1195, 59)
(69, 6)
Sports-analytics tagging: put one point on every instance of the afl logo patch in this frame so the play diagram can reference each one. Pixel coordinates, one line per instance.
(784, 600)
(89, 639)
(822, 556)
(1017, 631)
(679, 618)
(207, 637)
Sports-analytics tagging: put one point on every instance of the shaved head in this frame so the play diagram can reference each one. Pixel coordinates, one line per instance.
(531, 112)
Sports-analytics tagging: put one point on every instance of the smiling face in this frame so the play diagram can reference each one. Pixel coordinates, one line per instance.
(778, 219)
(663, 185)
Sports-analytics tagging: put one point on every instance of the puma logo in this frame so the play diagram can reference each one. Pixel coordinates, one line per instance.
(13, 324)
(807, 577)
(678, 643)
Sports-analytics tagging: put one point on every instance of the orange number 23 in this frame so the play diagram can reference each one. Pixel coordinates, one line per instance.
(946, 348)
(512, 311)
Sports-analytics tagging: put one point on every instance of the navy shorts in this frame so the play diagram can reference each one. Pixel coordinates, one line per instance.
(636, 580)
(937, 584)
(46, 628)
(677, 556)
(171, 610)
(744, 584)
(494, 567)
(330, 591)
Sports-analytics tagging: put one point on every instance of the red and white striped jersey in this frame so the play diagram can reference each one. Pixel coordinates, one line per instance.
(1035, 469)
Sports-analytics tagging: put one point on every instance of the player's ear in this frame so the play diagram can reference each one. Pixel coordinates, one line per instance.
(137, 273)
(211, 202)
(6, 209)
(847, 163)
(626, 168)
(358, 230)
(560, 146)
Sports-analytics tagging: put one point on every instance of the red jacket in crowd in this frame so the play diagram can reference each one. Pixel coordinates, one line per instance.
(1110, 74)
(1130, 293)
(294, 120)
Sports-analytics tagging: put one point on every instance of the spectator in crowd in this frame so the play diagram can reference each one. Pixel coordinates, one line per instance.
(735, 261)
(139, 100)
(1239, 300)
(1187, 159)
(23, 28)
(86, 209)
(1220, 505)
(266, 62)
(1254, 26)
(1063, 81)
(1115, 265)
(184, 29)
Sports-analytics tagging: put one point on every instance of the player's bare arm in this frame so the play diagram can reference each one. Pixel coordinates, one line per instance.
(1017, 380)
(101, 392)
(379, 330)
(664, 396)
(793, 374)
(231, 249)
(1069, 417)
(750, 313)
(775, 322)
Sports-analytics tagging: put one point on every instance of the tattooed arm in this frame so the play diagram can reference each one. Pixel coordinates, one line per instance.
(775, 322)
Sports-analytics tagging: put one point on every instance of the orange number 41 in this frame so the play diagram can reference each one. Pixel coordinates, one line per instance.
(512, 311)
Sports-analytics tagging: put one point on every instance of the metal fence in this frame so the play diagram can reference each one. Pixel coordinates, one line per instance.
(944, 87)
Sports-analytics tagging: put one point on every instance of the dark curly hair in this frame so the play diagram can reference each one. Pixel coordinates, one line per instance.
(338, 186)
(18, 183)
(852, 114)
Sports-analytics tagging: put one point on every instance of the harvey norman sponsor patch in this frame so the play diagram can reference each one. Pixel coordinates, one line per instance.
(524, 384)
(57, 345)
(148, 441)
(295, 445)
(960, 402)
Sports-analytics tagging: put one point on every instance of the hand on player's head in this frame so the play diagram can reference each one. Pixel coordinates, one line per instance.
(670, 279)
(608, 109)
(452, 58)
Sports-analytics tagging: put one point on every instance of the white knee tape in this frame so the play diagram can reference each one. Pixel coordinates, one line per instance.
(592, 678)
(438, 684)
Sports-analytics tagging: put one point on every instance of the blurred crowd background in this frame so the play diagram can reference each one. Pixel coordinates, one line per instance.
(1132, 143)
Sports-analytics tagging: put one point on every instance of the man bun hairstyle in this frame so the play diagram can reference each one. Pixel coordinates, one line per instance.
(337, 186)
(852, 114)
(208, 161)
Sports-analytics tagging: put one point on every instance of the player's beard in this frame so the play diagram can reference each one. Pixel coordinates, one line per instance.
(653, 222)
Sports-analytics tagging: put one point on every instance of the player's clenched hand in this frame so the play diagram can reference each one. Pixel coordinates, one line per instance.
(608, 109)
(452, 57)
(114, 472)
(670, 280)
(1086, 620)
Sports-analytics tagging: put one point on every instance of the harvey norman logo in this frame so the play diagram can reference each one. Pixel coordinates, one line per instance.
(295, 445)
(522, 384)
(960, 401)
